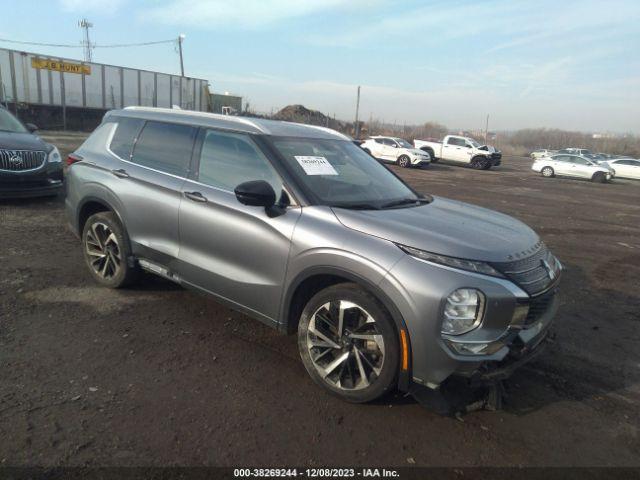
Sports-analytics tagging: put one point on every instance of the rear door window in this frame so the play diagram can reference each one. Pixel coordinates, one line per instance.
(165, 147)
(124, 137)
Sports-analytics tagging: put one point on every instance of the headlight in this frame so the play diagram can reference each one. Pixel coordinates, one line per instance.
(54, 156)
(463, 311)
(460, 263)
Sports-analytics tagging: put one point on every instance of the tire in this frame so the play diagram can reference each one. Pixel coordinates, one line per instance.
(107, 250)
(368, 368)
(476, 163)
(431, 154)
(486, 164)
(547, 172)
(599, 177)
(404, 161)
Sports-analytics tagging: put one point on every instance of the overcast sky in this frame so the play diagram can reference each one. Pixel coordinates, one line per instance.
(567, 64)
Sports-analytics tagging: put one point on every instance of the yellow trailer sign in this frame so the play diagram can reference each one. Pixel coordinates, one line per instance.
(58, 66)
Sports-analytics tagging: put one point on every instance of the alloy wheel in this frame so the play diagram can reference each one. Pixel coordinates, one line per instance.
(103, 251)
(345, 345)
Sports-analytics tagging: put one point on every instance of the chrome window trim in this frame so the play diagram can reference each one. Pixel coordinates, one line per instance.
(294, 202)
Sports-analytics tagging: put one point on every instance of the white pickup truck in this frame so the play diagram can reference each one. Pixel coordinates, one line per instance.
(461, 150)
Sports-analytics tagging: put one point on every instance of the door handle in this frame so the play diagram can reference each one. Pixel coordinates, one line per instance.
(120, 173)
(195, 196)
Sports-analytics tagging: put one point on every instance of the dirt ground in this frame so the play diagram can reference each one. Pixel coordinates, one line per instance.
(158, 375)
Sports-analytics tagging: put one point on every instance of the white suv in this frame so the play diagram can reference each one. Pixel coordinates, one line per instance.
(395, 150)
(568, 165)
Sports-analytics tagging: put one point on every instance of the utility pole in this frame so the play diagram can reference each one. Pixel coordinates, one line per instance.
(486, 130)
(181, 38)
(86, 43)
(357, 128)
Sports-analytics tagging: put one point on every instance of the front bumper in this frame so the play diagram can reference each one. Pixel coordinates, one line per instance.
(47, 180)
(420, 160)
(433, 358)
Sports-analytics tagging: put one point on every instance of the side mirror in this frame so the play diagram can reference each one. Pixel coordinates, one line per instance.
(256, 193)
(31, 127)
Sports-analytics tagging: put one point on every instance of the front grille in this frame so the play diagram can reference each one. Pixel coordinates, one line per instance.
(531, 273)
(21, 160)
(538, 306)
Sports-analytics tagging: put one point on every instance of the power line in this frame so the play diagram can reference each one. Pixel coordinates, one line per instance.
(93, 45)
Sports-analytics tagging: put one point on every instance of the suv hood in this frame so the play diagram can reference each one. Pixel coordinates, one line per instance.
(22, 141)
(488, 148)
(446, 227)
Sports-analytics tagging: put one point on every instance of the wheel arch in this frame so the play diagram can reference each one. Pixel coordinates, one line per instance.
(92, 204)
(429, 150)
(311, 281)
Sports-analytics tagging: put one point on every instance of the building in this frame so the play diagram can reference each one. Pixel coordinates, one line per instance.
(55, 92)
(225, 103)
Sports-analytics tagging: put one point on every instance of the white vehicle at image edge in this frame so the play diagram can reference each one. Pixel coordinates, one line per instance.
(542, 152)
(624, 167)
(461, 150)
(395, 150)
(577, 166)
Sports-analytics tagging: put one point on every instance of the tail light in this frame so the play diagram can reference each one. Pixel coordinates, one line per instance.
(73, 158)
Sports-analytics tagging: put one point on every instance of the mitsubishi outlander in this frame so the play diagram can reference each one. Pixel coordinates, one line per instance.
(298, 227)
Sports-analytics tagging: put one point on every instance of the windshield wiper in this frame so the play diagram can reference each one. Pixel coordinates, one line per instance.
(404, 201)
(357, 206)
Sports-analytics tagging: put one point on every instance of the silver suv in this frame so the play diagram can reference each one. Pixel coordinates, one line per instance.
(298, 227)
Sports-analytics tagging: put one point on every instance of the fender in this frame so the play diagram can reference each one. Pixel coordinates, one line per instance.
(404, 376)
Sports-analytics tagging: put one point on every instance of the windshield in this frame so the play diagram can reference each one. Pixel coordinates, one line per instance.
(403, 143)
(340, 174)
(9, 123)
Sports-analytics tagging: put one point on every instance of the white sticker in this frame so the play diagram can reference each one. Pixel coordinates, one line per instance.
(315, 165)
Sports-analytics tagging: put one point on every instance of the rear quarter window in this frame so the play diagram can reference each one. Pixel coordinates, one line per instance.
(124, 136)
(166, 147)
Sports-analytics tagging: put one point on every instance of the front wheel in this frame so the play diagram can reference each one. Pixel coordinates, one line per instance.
(599, 177)
(348, 343)
(106, 251)
(404, 161)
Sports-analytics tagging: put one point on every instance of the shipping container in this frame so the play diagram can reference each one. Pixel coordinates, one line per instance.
(33, 82)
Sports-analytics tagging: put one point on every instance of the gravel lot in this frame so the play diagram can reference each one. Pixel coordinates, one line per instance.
(158, 375)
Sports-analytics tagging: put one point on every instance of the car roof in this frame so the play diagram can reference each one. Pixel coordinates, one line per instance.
(276, 128)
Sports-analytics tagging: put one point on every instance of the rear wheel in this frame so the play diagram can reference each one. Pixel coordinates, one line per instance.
(106, 250)
(547, 172)
(348, 343)
(404, 161)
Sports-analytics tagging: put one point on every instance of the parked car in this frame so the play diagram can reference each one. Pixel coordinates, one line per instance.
(29, 167)
(395, 150)
(461, 150)
(624, 167)
(541, 152)
(575, 151)
(577, 166)
(298, 227)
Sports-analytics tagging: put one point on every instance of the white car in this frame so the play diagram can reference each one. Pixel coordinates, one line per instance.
(567, 165)
(624, 167)
(542, 152)
(396, 150)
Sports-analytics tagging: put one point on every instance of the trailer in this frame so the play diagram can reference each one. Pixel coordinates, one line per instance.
(55, 92)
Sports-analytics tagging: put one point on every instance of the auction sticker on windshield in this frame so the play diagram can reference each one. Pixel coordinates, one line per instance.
(315, 165)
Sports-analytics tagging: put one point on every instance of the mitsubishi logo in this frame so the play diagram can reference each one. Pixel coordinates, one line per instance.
(549, 269)
(16, 161)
